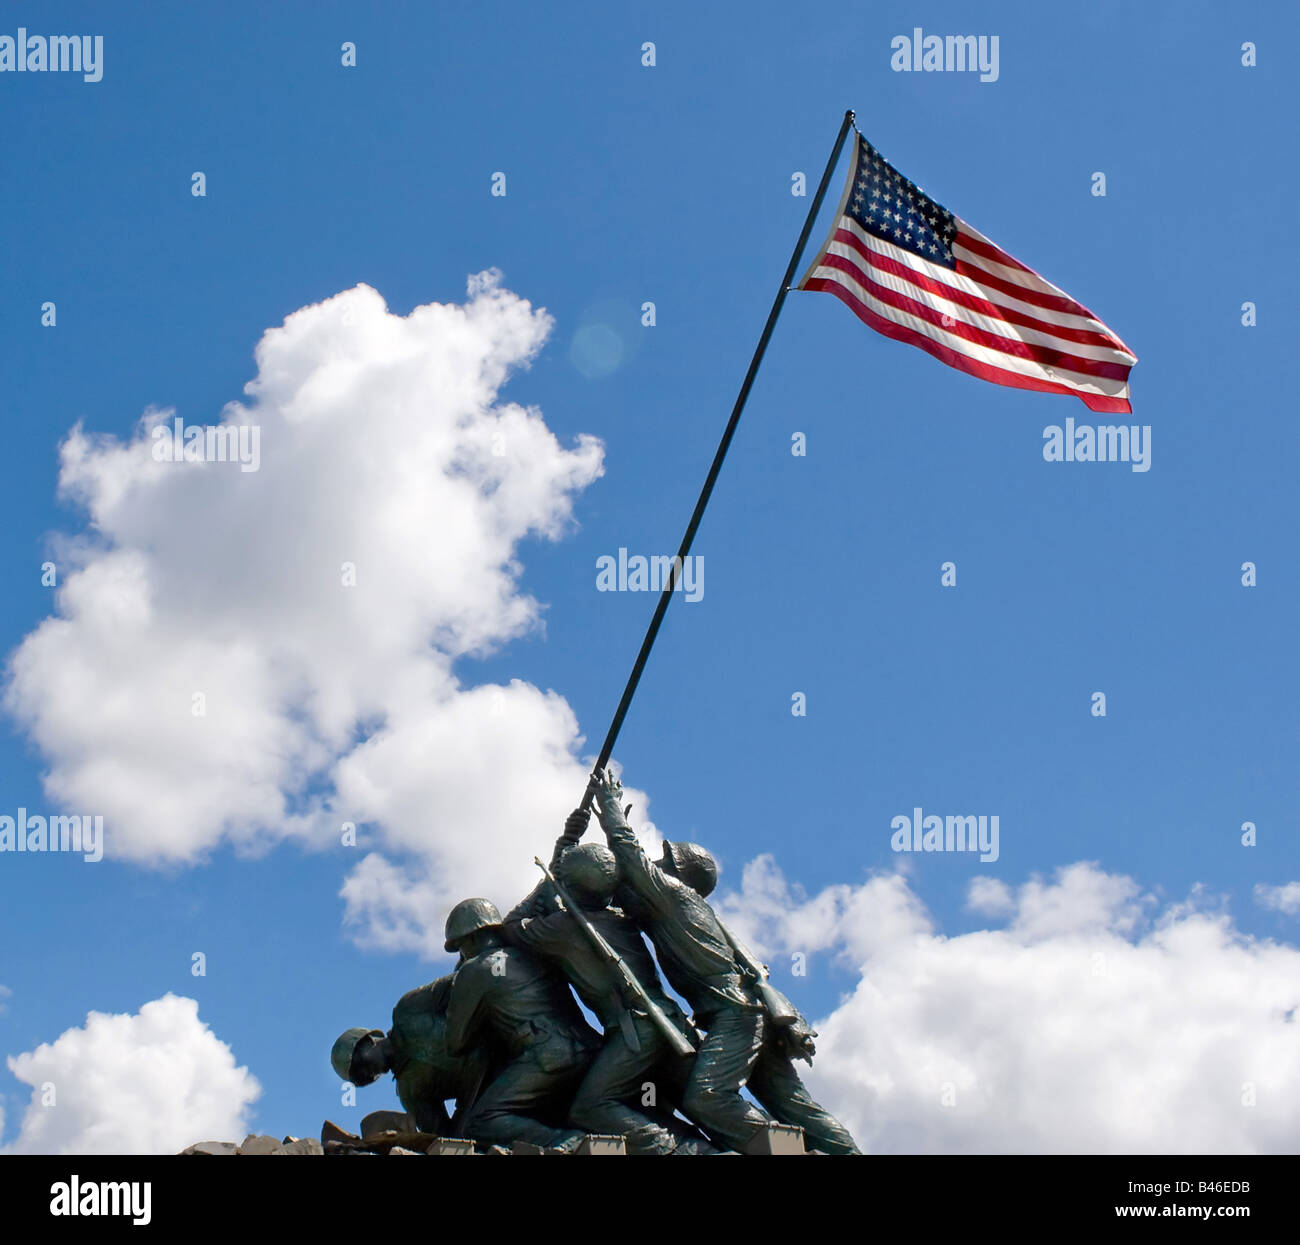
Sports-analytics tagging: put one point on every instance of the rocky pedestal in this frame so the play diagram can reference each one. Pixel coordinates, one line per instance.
(392, 1132)
(258, 1143)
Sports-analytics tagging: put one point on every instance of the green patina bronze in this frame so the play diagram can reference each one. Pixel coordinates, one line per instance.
(503, 1035)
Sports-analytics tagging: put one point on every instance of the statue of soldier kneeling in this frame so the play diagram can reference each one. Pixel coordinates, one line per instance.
(415, 1051)
(520, 1010)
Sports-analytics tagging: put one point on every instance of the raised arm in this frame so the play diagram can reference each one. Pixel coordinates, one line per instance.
(651, 884)
(575, 826)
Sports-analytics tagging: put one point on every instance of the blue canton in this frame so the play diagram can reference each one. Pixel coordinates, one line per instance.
(887, 205)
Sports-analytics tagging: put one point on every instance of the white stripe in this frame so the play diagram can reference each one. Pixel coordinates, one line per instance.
(1027, 277)
(1018, 273)
(976, 319)
(967, 285)
(983, 354)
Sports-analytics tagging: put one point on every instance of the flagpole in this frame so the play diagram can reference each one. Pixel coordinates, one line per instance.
(711, 479)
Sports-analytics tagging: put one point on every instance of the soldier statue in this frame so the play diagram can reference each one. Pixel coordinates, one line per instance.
(521, 1010)
(743, 1046)
(504, 1037)
(636, 1052)
(415, 1052)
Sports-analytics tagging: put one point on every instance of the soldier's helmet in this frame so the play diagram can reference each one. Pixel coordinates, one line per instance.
(345, 1047)
(589, 869)
(695, 866)
(468, 917)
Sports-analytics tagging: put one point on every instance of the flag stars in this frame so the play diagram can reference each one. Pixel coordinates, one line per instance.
(889, 206)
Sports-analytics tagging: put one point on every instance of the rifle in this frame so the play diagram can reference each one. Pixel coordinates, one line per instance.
(795, 1033)
(677, 1040)
(780, 1011)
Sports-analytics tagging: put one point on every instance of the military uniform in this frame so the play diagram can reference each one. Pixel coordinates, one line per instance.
(426, 1073)
(741, 1046)
(698, 962)
(520, 1010)
(604, 1101)
(776, 1084)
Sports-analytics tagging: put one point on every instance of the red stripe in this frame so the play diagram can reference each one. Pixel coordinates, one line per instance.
(973, 367)
(1048, 302)
(1084, 337)
(982, 246)
(1045, 356)
(1052, 302)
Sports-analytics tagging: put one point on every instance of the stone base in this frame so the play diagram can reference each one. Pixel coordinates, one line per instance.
(452, 1145)
(777, 1139)
(771, 1139)
(602, 1143)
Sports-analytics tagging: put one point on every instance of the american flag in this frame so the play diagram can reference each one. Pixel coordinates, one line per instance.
(915, 272)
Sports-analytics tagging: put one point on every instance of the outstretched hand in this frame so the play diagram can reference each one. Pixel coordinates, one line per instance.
(609, 802)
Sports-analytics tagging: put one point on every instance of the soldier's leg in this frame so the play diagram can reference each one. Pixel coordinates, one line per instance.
(777, 1085)
(666, 1079)
(722, 1065)
(669, 1077)
(604, 1101)
(507, 1108)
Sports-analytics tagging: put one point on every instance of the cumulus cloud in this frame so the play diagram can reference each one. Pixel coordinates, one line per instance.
(990, 897)
(1094, 1020)
(469, 795)
(319, 611)
(1285, 898)
(151, 1083)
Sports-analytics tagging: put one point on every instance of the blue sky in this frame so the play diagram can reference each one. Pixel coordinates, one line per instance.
(672, 184)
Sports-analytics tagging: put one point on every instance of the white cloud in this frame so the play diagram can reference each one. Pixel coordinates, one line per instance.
(471, 792)
(383, 444)
(1095, 1021)
(152, 1083)
(990, 897)
(1285, 898)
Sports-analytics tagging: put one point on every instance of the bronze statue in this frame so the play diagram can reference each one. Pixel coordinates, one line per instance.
(603, 955)
(520, 1009)
(504, 1037)
(415, 1052)
(743, 1045)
